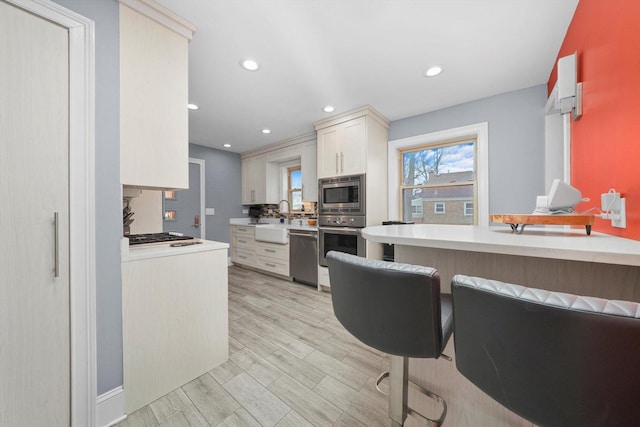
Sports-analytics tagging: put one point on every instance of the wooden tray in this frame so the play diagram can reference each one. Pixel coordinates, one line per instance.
(518, 222)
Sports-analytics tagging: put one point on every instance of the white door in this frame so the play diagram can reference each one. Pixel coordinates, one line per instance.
(34, 167)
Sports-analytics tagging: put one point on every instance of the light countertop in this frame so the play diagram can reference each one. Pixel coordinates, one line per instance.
(557, 243)
(156, 250)
(295, 223)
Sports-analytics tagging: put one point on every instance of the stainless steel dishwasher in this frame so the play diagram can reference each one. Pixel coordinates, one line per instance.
(303, 256)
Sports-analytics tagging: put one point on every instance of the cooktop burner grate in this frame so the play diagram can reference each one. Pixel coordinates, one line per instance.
(141, 239)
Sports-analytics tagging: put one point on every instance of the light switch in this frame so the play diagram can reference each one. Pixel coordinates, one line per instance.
(210, 211)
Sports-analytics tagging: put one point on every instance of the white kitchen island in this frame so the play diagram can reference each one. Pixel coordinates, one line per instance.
(557, 259)
(174, 315)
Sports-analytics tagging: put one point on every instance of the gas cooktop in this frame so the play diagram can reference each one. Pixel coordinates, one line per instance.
(141, 239)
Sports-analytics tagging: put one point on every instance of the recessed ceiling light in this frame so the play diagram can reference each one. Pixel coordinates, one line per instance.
(433, 71)
(192, 106)
(329, 109)
(249, 64)
(265, 131)
(226, 145)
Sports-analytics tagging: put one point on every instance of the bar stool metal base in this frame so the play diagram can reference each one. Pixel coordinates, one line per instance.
(398, 394)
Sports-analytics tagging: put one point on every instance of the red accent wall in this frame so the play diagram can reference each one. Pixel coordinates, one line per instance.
(605, 141)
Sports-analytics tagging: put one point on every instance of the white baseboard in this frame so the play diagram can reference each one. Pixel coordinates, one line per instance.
(110, 407)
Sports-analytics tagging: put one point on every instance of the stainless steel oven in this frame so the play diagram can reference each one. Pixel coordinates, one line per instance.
(342, 195)
(340, 233)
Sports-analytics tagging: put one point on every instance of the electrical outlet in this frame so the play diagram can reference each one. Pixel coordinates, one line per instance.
(610, 202)
(621, 220)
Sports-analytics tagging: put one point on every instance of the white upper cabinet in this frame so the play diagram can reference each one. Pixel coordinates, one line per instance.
(254, 182)
(346, 143)
(154, 134)
(263, 171)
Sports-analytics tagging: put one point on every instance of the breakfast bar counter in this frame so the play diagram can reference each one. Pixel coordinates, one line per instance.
(559, 243)
(556, 259)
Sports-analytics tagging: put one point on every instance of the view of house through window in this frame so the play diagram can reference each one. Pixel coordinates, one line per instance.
(438, 184)
(294, 175)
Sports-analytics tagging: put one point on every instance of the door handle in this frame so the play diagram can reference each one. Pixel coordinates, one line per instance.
(56, 244)
(336, 162)
(196, 221)
(341, 162)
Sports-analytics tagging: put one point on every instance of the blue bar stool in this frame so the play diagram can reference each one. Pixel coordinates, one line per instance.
(397, 309)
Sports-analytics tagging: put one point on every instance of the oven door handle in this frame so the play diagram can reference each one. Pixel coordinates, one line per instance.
(341, 230)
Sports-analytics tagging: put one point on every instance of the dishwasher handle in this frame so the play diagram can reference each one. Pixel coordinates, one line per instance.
(311, 234)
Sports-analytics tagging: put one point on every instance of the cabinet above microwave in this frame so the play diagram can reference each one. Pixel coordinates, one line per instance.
(352, 143)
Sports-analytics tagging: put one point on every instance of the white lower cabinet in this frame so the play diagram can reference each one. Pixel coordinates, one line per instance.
(243, 256)
(175, 323)
(245, 250)
(243, 245)
(273, 257)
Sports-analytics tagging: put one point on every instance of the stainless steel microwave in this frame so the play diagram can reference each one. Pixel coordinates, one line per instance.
(342, 195)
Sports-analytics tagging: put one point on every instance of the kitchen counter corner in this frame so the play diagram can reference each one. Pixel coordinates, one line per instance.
(163, 250)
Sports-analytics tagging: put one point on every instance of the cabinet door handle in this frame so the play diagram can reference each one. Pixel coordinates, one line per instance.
(341, 162)
(336, 162)
(56, 244)
(270, 250)
(302, 192)
(242, 241)
(270, 265)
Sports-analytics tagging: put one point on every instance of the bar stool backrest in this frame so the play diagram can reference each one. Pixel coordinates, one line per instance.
(555, 359)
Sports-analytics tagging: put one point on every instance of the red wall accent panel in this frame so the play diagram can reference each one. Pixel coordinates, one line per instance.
(605, 141)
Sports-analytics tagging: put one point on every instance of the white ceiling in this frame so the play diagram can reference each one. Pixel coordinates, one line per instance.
(349, 53)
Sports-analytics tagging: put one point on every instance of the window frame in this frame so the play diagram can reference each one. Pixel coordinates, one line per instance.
(480, 131)
(291, 190)
(437, 205)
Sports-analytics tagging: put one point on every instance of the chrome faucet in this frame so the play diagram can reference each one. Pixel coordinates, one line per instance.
(288, 214)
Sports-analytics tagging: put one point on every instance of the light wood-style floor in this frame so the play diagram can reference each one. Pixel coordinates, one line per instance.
(290, 364)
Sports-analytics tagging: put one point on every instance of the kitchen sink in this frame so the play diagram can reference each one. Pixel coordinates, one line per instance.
(272, 233)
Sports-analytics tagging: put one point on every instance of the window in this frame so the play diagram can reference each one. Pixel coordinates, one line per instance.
(294, 187)
(438, 174)
(416, 209)
(468, 209)
(478, 133)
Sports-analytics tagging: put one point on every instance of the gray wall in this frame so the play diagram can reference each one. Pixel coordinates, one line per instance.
(516, 143)
(108, 197)
(223, 188)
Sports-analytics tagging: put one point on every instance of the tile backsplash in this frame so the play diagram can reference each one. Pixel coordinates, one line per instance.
(272, 211)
